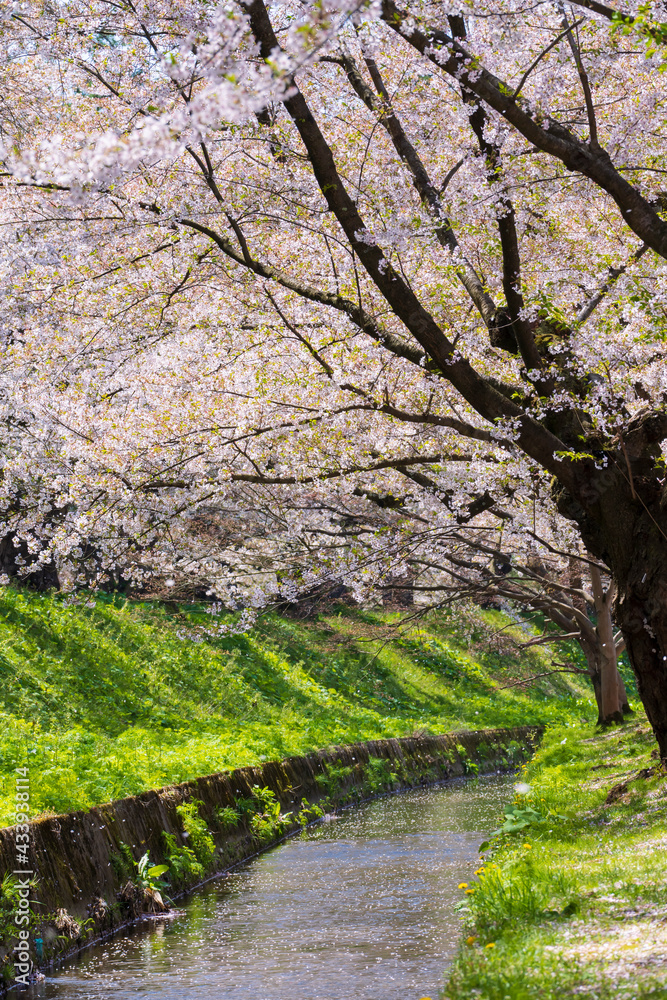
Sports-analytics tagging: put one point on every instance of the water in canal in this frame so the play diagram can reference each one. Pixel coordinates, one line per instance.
(361, 908)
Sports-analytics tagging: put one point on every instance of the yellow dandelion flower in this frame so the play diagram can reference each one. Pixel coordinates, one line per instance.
(463, 885)
(469, 892)
(491, 944)
(479, 871)
(528, 847)
(471, 939)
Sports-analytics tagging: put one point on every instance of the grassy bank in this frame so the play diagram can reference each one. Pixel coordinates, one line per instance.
(571, 899)
(104, 699)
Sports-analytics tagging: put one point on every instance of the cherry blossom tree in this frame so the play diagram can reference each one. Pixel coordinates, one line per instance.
(253, 250)
(533, 579)
(377, 548)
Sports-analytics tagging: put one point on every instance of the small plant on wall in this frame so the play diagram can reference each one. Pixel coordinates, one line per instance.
(9, 901)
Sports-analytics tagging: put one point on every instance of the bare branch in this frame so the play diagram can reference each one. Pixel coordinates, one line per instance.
(567, 555)
(547, 673)
(543, 640)
(316, 355)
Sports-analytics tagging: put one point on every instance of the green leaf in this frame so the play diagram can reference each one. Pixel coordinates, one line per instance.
(157, 870)
(511, 827)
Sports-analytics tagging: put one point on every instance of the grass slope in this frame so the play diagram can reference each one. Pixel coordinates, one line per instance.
(573, 902)
(104, 699)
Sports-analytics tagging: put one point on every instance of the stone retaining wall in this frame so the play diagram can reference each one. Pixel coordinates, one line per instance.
(73, 855)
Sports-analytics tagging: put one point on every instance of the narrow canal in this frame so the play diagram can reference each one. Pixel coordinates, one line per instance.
(360, 908)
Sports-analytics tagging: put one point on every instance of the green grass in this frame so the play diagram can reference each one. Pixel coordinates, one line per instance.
(571, 900)
(106, 700)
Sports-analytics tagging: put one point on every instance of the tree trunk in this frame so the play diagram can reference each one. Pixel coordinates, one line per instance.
(594, 656)
(622, 693)
(593, 661)
(574, 580)
(611, 710)
(13, 557)
(625, 526)
(643, 620)
(398, 592)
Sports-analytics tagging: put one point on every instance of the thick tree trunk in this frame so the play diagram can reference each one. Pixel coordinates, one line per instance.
(643, 620)
(626, 527)
(621, 511)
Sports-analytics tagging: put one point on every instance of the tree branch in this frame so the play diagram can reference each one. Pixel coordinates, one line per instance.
(614, 274)
(428, 193)
(547, 673)
(585, 85)
(535, 439)
(241, 477)
(546, 134)
(543, 53)
(362, 319)
(656, 32)
(509, 240)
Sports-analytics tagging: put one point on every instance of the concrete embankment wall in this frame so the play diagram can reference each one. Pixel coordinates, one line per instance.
(74, 855)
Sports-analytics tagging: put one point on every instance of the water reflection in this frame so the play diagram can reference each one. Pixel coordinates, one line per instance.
(357, 909)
